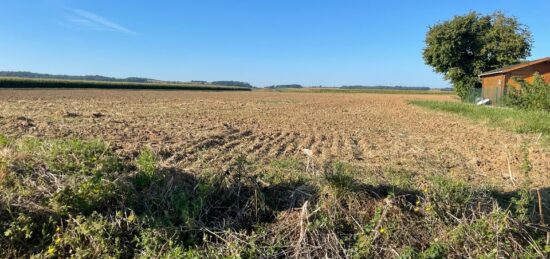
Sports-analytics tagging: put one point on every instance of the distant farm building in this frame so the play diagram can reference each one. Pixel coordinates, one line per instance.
(494, 82)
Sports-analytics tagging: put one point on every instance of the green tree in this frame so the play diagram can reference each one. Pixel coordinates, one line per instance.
(467, 45)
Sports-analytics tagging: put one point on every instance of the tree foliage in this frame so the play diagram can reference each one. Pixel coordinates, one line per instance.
(466, 46)
(232, 83)
(285, 86)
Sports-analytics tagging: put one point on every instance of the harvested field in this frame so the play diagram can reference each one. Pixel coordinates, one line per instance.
(196, 130)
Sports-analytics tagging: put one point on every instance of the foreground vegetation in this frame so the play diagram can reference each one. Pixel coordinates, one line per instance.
(6, 82)
(515, 120)
(62, 198)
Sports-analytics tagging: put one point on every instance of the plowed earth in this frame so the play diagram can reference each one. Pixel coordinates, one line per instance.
(196, 130)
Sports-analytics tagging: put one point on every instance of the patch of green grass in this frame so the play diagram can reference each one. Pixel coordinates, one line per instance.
(147, 165)
(520, 121)
(3, 141)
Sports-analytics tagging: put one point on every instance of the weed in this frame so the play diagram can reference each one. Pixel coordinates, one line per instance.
(147, 165)
(521, 204)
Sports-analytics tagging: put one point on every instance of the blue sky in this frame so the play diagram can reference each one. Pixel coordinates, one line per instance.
(264, 42)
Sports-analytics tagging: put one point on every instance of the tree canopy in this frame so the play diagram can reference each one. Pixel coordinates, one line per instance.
(286, 86)
(232, 83)
(467, 45)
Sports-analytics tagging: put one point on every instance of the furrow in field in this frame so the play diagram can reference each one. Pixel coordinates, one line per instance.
(316, 145)
(189, 147)
(236, 147)
(280, 145)
(292, 145)
(268, 145)
(306, 142)
(325, 147)
(336, 146)
(365, 146)
(355, 148)
(204, 149)
(256, 145)
(229, 143)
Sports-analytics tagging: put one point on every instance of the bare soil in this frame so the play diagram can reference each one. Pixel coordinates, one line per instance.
(195, 130)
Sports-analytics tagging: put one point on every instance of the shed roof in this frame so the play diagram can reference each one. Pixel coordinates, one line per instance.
(507, 69)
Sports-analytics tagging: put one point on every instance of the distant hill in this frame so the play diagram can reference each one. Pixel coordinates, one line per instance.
(67, 77)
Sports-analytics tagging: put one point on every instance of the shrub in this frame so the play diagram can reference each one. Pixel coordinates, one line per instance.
(531, 96)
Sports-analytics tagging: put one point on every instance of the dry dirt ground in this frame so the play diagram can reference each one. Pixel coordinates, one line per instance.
(194, 130)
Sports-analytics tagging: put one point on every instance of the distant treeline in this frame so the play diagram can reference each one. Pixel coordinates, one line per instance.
(416, 88)
(232, 83)
(57, 83)
(67, 77)
(20, 74)
(448, 89)
(285, 86)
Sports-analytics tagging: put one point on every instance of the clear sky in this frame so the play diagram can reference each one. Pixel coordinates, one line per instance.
(263, 42)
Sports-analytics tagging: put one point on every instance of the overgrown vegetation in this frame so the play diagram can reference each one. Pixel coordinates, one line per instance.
(65, 198)
(515, 120)
(6, 82)
(530, 96)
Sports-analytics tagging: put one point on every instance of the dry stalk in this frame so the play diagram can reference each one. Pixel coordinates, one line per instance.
(512, 179)
(541, 215)
(388, 204)
(304, 215)
(310, 163)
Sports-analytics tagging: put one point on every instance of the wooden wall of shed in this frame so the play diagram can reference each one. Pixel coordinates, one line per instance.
(527, 73)
(492, 86)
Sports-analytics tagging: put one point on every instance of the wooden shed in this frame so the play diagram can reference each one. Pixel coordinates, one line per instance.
(494, 82)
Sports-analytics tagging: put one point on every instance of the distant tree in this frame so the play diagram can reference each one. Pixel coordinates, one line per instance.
(468, 45)
(232, 83)
(286, 86)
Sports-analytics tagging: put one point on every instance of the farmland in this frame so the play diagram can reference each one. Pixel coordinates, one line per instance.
(197, 129)
(320, 171)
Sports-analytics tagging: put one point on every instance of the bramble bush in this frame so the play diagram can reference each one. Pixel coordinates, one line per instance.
(531, 96)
